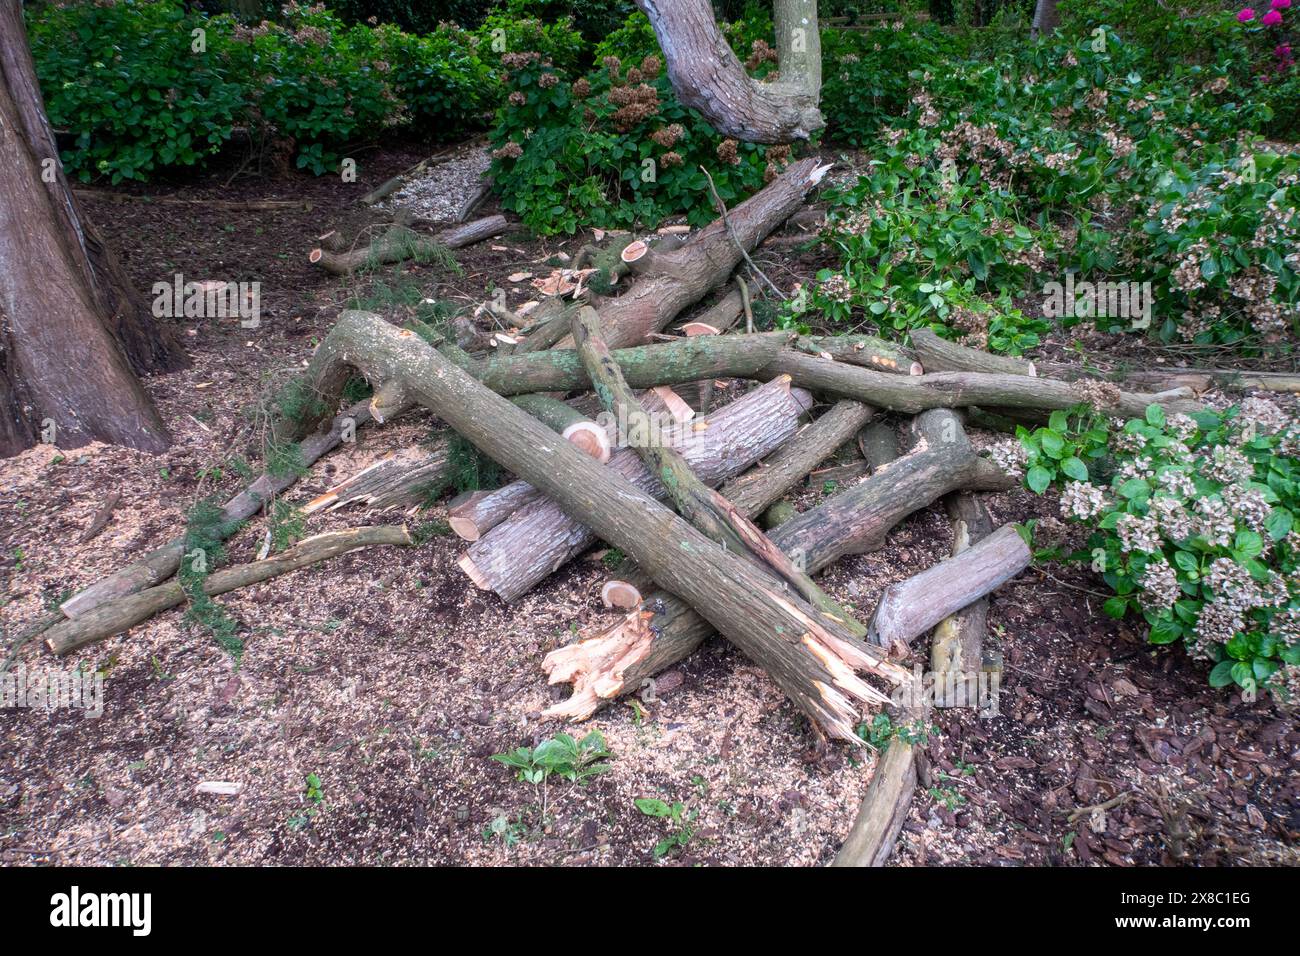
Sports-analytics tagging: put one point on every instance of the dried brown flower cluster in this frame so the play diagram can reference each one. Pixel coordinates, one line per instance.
(668, 136)
(517, 61)
(760, 53)
(728, 152)
(636, 104)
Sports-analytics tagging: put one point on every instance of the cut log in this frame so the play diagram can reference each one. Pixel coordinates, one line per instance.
(878, 443)
(910, 608)
(119, 614)
(884, 808)
(689, 359)
(397, 480)
(620, 594)
(954, 650)
(569, 423)
(841, 372)
(513, 557)
(686, 275)
(956, 647)
(817, 669)
(401, 243)
(620, 659)
(797, 457)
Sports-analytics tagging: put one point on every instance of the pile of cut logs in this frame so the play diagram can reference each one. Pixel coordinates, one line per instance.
(610, 425)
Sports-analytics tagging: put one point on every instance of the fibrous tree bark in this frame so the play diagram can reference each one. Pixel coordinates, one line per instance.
(71, 328)
(707, 75)
(815, 666)
(1046, 18)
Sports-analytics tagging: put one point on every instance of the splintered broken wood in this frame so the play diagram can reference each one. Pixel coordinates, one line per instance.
(610, 661)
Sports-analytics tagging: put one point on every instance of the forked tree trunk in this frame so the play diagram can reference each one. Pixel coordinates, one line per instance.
(707, 76)
(70, 328)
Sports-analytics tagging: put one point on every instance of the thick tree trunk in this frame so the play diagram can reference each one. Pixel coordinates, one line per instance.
(694, 500)
(512, 558)
(478, 515)
(815, 667)
(707, 76)
(66, 315)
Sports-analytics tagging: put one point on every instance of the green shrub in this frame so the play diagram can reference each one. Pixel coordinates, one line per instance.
(126, 79)
(513, 28)
(1193, 526)
(315, 83)
(142, 91)
(440, 77)
(614, 148)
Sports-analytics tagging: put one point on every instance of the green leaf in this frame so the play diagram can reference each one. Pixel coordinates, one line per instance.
(653, 807)
(1115, 607)
(1038, 479)
(1075, 468)
(1135, 488)
(1165, 632)
(1278, 524)
(1155, 416)
(1221, 675)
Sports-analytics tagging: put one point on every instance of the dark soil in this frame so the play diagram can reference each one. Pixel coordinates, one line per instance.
(389, 678)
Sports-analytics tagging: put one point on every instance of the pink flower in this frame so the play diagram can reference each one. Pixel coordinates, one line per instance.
(1246, 15)
(1272, 18)
(1281, 4)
